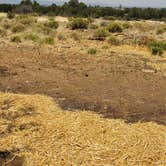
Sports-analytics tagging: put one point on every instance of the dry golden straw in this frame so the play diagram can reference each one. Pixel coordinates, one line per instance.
(47, 135)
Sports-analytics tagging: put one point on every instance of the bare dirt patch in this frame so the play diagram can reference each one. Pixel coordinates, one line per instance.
(113, 85)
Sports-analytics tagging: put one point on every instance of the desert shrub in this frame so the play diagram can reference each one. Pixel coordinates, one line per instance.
(31, 36)
(126, 25)
(52, 24)
(157, 47)
(142, 40)
(78, 23)
(10, 15)
(113, 40)
(75, 36)
(114, 27)
(48, 40)
(18, 28)
(16, 39)
(6, 25)
(90, 20)
(92, 51)
(93, 26)
(161, 30)
(103, 24)
(28, 20)
(100, 34)
(60, 36)
(111, 18)
(2, 32)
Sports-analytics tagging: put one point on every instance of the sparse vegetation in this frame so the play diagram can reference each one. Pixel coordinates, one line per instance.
(114, 27)
(92, 51)
(52, 24)
(18, 28)
(100, 34)
(157, 47)
(78, 23)
(48, 40)
(31, 36)
(113, 40)
(16, 39)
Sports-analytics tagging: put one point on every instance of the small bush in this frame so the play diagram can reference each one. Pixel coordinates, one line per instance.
(100, 34)
(113, 41)
(103, 24)
(2, 32)
(78, 23)
(92, 51)
(93, 26)
(111, 18)
(16, 39)
(52, 24)
(75, 36)
(10, 15)
(157, 47)
(31, 36)
(48, 40)
(161, 30)
(61, 37)
(126, 25)
(114, 27)
(26, 19)
(6, 25)
(18, 28)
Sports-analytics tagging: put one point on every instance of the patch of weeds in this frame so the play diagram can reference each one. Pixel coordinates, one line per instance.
(48, 40)
(92, 51)
(75, 36)
(31, 36)
(113, 41)
(60, 36)
(52, 24)
(114, 27)
(18, 28)
(78, 23)
(157, 47)
(100, 34)
(16, 39)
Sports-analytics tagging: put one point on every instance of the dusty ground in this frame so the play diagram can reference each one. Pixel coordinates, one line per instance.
(124, 85)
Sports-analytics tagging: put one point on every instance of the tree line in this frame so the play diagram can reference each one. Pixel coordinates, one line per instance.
(74, 8)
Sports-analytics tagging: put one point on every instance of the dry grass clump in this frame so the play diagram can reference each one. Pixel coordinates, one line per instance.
(18, 28)
(16, 39)
(46, 135)
(32, 36)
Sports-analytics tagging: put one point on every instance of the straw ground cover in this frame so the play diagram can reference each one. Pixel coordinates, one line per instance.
(46, 135)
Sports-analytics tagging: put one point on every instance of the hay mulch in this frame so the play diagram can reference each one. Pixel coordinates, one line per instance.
(35, 128)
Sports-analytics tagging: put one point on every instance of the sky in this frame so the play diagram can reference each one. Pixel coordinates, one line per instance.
(126, 3)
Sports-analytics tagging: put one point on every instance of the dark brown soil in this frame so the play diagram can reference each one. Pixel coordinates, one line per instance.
(114, 85)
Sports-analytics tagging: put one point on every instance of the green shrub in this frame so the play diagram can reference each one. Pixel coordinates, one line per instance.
(52, 24)
(113, 41)
(10, 15)
(157, 47)
(16, 39)
(78, 23)
(18, 28)
(100, 34)
(92, 51)
(114, 27)
(48, 40)
(31, 36)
